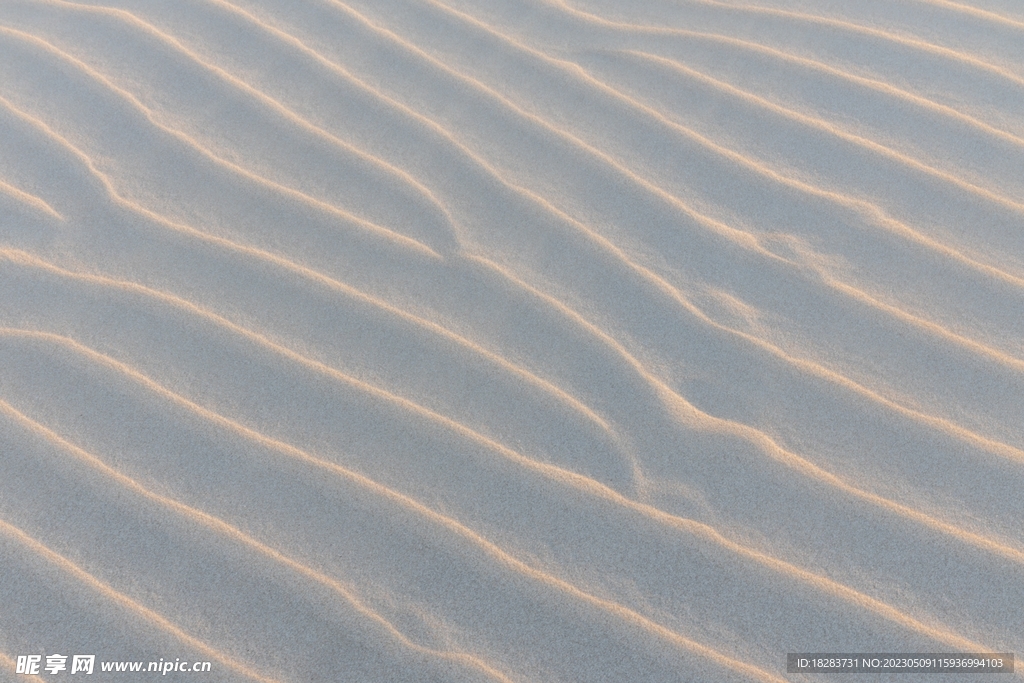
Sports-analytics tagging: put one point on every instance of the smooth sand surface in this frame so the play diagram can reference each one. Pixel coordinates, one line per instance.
(519, 341)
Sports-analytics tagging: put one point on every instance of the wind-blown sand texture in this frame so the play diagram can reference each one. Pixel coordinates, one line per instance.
(510, 340)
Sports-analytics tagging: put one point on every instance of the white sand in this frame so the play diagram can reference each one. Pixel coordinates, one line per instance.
(510, 340)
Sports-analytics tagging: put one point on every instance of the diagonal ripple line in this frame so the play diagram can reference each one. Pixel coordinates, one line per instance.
(976, 12)
(31, 200)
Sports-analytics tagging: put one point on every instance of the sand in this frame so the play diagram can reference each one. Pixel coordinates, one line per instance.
(519, 341)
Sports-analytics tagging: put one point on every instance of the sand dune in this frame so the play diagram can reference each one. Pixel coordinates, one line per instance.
(510, 340)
